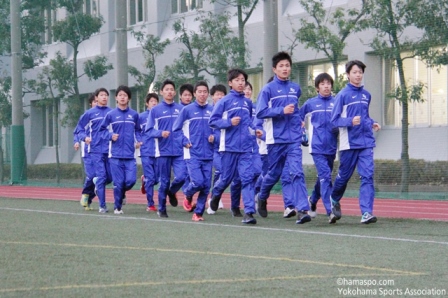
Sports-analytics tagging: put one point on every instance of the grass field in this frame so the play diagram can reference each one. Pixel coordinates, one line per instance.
(56, 249)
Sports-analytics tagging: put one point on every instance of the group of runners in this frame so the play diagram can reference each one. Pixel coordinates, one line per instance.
(200, 149)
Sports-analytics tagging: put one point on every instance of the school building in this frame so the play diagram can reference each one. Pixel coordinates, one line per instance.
(428, 129)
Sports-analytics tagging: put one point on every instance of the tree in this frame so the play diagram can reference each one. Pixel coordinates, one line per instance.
(32, 26)
(432, 17)
(390, 19)
(212, 50)
(73, 30)
(244, 9)
(152, 46)
(328, 30)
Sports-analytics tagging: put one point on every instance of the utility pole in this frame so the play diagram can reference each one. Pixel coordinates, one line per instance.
(121, 42)
(270, 28)
(18, 160)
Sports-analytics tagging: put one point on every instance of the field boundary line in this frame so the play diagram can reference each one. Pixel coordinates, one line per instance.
(121, 217)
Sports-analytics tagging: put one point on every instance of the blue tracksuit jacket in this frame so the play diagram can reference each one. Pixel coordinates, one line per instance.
(350, 102)
(323, 135)
(148, 144)
(125, 124)
(89, 126)
(237, 138)
(280, 128)
(161, 118)
(193, 121)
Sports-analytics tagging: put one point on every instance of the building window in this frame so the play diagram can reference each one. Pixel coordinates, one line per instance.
(181, 6)
(434, 108)
(136, 10)
(91, 7)
(50, 124)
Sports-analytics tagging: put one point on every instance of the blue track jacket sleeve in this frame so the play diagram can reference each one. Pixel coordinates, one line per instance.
(150, 123)
(336, 118)
(263, 110)
(178, 125)
(216, 118)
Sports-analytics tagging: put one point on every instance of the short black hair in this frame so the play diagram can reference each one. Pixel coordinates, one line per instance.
(183, 87)
(97, 91)
(167, 82)
(350, 64)
(234, 73)
(200, 83)
(151, 95)
(322, 77)
(279, 57)
(218, 87)
(125, 89)
(91, 98)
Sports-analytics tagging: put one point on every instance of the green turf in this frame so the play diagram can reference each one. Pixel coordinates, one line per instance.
(56, 249)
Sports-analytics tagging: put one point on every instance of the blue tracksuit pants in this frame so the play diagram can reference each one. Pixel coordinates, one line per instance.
(124, 172)
(363, 160)
(149, 166)
(200, 173)
(279, 155)
(103, 173)
(164, 164)
(89, 170)
(323, 187)
(237, 165)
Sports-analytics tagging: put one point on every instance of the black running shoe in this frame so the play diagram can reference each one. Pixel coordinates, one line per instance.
(302, 217)
(162, 213)
(173, 199)
(214, 203)
(236, 212)
(249, 219)
(262, 208)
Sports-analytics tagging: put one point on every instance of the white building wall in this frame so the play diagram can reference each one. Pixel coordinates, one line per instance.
(429, 143)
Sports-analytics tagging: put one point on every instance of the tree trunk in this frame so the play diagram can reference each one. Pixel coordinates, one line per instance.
(405, 168)
(241, 39)
(56, 139)
(1, 158)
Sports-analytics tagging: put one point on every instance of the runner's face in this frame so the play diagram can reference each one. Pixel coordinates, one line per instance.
(283, 69)
(355, 76)
(201, 95)
(102, 99)
(238, 83)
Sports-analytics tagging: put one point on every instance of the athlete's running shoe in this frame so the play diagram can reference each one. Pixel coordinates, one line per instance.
(84, 200)
(248, 218)
(302, 217)
(368, 218)
(197, 217)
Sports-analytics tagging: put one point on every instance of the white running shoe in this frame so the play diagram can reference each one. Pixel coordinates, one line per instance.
(116, 211)
(209, 210)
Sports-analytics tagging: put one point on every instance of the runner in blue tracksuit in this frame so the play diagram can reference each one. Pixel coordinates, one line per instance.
(88, 190)
(121, 128)
(147, 154)
(217, 92)
(235, 186)
(233, 114)
(323, 139)
(198, 153)
(98, 148)
(169, 144)
(356, 141)
(185, 98)
(277, 104)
